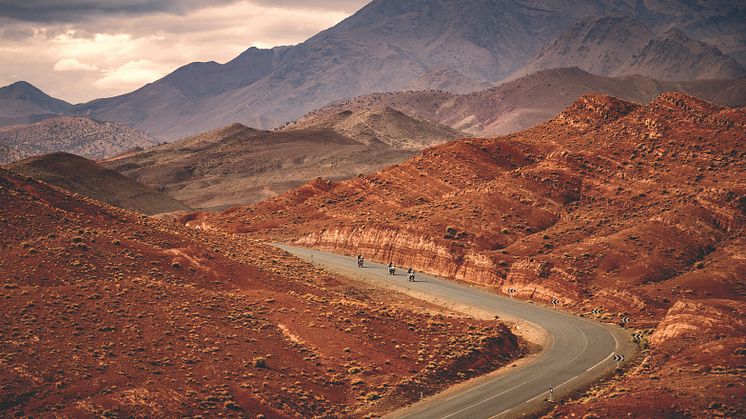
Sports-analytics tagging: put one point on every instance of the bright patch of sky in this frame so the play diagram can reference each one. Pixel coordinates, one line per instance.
(78, 50)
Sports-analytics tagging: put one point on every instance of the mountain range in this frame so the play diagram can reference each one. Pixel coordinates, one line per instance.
(459, 45)
(529, 100)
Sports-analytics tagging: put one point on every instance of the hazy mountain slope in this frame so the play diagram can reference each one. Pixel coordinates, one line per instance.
(674, 56)
(22, 98)
(86, 177)
(81, 136)
(598, 46)
(22, 103)
(239, 165)
(386, 125)
(172, 106)
(616, 46)
(448, 80)
(530, 100)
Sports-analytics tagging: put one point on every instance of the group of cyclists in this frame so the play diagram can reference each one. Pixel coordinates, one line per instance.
(391, 268)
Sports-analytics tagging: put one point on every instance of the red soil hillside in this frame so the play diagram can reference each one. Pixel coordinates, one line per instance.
(632, 209)
(107, 313)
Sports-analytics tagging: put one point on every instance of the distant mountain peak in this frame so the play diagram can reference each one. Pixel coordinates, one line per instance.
(22, 102)
(22, 90)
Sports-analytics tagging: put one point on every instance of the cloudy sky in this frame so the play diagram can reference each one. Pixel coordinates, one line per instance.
(79, 50)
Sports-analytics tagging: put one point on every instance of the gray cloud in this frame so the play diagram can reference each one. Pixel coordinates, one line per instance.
(80, 10)
(342, 5)
(77, 10)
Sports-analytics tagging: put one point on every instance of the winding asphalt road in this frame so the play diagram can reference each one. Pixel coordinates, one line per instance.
(578, 352)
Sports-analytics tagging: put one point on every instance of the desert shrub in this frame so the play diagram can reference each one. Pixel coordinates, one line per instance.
(260, 362)
(451, 232)
(373, 395)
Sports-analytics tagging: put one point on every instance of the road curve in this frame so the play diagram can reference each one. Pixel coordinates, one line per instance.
(579, 350)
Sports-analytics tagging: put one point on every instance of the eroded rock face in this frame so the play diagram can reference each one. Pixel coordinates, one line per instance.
(694, 368)
(690, 319)
(405, 250)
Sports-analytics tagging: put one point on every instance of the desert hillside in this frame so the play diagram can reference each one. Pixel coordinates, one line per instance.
(237, 165)
(82, 136)
(23, 103)
(636, 211)
(86, 177)
(375, 126)
(108, 313)
(530, 100)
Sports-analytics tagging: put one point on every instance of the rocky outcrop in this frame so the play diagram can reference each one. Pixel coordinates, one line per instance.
(406, 249)
(693, 319)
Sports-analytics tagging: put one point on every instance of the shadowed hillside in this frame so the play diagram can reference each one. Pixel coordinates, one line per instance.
(80, 175)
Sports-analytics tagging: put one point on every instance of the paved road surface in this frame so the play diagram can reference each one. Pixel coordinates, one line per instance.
(579, 351)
